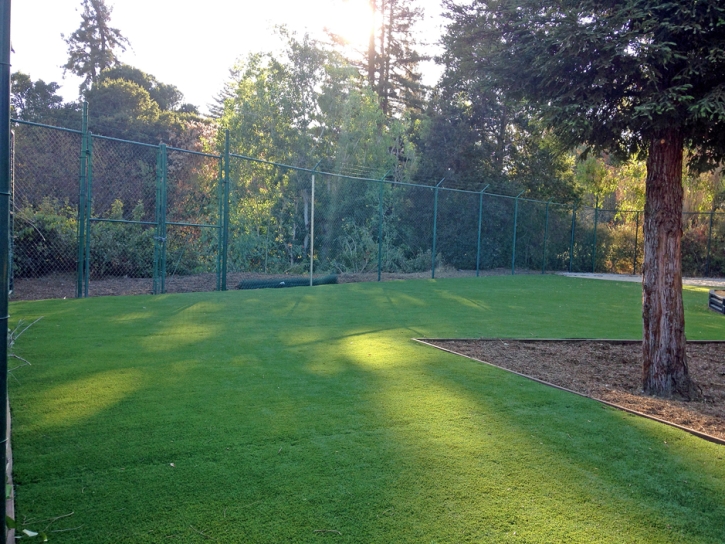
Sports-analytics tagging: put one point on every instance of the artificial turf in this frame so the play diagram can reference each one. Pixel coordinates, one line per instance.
(308, 415)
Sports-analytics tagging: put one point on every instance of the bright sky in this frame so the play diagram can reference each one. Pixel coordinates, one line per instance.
(190, 45)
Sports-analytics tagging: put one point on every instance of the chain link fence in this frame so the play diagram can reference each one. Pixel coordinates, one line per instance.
(94, 215)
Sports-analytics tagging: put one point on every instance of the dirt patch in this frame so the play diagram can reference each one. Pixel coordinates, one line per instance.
(611, 371)
(64, 285)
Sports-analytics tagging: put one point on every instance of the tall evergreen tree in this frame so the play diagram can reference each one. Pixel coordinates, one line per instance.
(632, 77)
(93, 47)
(390, 63)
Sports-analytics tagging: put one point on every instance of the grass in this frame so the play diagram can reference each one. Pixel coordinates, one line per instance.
(310, 416)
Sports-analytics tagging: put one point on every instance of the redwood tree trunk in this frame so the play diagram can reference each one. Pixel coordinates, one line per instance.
(664, 372)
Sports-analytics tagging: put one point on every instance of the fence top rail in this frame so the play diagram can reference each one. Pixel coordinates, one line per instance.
(190, 152)
(41, 125)
(122, 141)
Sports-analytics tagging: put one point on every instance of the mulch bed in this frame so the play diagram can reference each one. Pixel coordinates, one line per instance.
(611, 371)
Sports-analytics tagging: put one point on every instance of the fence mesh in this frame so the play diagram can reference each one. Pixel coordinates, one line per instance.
(171, 220)
(45, 205)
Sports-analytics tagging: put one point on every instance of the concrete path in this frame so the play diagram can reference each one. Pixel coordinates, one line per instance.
(699, 282)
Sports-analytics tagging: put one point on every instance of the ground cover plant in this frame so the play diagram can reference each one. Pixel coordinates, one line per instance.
(308, 415)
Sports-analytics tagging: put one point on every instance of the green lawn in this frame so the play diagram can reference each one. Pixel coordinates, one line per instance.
(289, 412)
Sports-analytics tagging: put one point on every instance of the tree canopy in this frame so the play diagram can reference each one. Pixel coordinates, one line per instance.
(93, 47)
(608, 73)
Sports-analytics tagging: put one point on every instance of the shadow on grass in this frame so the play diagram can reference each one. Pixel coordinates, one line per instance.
(285, 413)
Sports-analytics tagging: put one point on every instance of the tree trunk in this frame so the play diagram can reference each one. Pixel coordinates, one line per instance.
(664, 371)
(372, 61)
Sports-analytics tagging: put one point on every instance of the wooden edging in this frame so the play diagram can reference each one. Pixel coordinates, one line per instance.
(607, 340)
(699, 434)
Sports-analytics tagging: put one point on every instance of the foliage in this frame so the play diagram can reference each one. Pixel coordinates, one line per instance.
(127, 103)
(297, 108)
(167, 97)
(476, 135)
(92, 48)
(45, 239)
(610, 74)
(38, 101)
(389, 64)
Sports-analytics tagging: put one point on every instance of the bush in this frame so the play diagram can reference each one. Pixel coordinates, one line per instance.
(122, 249)
(45, 239)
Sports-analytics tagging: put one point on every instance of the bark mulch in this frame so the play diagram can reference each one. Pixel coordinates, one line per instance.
(611, 371)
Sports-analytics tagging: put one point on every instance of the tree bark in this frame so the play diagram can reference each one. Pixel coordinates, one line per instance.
(664, 371)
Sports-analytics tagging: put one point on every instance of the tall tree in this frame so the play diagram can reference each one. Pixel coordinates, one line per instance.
(390, 62)
(629, 77)
(93, 47)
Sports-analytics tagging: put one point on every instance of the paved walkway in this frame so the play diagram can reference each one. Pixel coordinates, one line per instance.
(699, 282)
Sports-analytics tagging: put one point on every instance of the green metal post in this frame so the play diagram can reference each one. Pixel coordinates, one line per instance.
(573, 228)
(4, 240)
(11, 206)
(88, 212)
(312, 231)
(380, 227)
(594, 248)
(435, 230)
(225, 226)
(80, 267)
(709, 242)
(164, 185)
(480, 224)
(636, 235)
(157, 215)
(546, 236)
(312, 226)
(516, 221)
(220, 223)
(160, 238)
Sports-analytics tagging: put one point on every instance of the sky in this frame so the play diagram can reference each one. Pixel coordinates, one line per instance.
(190, 45)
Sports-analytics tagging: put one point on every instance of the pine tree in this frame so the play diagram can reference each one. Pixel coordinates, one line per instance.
(390, 63)
(93, 46)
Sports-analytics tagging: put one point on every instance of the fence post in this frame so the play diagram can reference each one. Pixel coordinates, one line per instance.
(435, 230)
(594, 248)
(157, 217)
(220, 225)
(312, 225)
(573, 228)
(5, 242)
(160, 238)
(516, 221)
(480, 224)
(709, 242)
(80, 267)
(164, 235)
(225, 218)
(11, 208)
(89, 211)
(636, 240)
(380, 227)
(546, 235)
